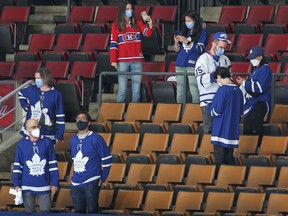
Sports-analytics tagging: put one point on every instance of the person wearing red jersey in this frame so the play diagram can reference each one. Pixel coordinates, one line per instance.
(126, 49)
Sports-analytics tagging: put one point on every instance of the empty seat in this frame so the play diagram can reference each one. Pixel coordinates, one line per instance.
(92, 44)
(7, 70)
(241, 67)
(63, 201)
(165, 113)
(117, 172)
(59, 70)
(153, 67)
(126, 199)
(65, 43)
(277, 203)
(71, 99)
(136, 112)
(124, 142)
(153, 143)
(275, 43)
(26, 70)
(37, 44)
(108, 112)
(184, 143)
(200, 174)
(140, 173)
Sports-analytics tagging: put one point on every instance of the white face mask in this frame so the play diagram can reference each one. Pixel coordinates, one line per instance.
(35, 132)
(255, 62)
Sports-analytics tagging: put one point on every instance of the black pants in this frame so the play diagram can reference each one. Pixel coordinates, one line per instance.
(253, 123)
(223, 155)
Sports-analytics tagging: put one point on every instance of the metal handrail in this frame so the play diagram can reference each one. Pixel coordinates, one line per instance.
(111, 73)
(12, 93)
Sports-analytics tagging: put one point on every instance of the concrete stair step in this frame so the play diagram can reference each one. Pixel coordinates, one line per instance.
(41, 18)
(39, 28)
(59, 10)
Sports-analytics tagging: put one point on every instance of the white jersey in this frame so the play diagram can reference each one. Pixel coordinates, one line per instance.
(205, 66)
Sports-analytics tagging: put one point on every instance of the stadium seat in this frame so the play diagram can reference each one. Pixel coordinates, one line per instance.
(184, 144)
(231, 15)
(185, 200)
(243, 45)
(248, 202)
(63, 201)
(105, 198)
(284, 80)
(163, 92)
(124, 142)
(241, 67)
(38, 43)
(154, 201)
(257, 15)
(139, 9)
(108, 112)
(5, 198)
(17, 19)
(59, 70)
(7, 70)
(275, 43)
(217, 201)
(62, 170)
(78, 16)
(164, 114)
(277, 203)
(93, 43)
(200, 174)
(126, 199)
(64, 44)
(153, 67)
(71, 100)
(279, 114)
(136, 112)
(116, 174)
(153, 143)
(247, 145)
(26, 70)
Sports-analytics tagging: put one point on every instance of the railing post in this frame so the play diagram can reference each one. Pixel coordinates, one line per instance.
(68, 10)
(100, 91)
(272, 94)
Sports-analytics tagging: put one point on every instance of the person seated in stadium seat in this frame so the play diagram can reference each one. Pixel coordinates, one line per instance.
(205, 66)
(91, 163)
(257, 92)
(35, 169)
(226, 109)
(189, 44)
(44, 103)
(126, 50)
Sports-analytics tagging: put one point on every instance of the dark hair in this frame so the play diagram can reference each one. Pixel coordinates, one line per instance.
(223, 72)
(196, 31)
(263, 61)
(84, 113)
(121, 17)
(45, 75)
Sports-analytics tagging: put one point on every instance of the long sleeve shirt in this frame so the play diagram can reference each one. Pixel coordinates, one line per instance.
(188, 55)
(205, 67)
(35, 166)
(127, 47)
(52, 108)
(226, 109)
(91, 159)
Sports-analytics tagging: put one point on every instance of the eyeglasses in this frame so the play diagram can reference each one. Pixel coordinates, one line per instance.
(221, 47)
(34, 127)
(81, 119)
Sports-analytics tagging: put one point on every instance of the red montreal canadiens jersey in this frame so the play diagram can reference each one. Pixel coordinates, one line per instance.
(126, 47)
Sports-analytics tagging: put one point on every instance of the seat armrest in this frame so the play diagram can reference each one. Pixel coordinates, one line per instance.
(194, 210)
(256, 212)
(131, 151)
(224, 211)
(160, 152)
(114, 120)
(279, 155)
(203, 184)
(237, 185)
(144, 121)
(116, 182)
(247, 154)
(146, 182)
(282, 51)
(189, 152)
(162, 210)
(171, 122)
(5, 77)
(134, 209)
(176, 183)
(266, 22)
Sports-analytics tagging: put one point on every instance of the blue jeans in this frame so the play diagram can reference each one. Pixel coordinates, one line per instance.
(122, 80)
(29, 200)
(86, 197)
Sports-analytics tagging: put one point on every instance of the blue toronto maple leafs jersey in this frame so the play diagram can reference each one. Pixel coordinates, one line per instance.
(258, 88)
(53, 110)
(35, 166)
(188, 55)
(91, 159)
(226, 109)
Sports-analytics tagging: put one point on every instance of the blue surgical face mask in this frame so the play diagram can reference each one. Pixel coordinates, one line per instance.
(219, 52)
(39, 83)
(189, 25)
(129, 13)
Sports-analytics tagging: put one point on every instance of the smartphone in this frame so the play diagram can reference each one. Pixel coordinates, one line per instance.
(145, 16)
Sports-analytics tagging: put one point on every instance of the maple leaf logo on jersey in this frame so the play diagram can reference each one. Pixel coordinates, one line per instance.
(36, 111)
(36, 166)
(80, 162)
